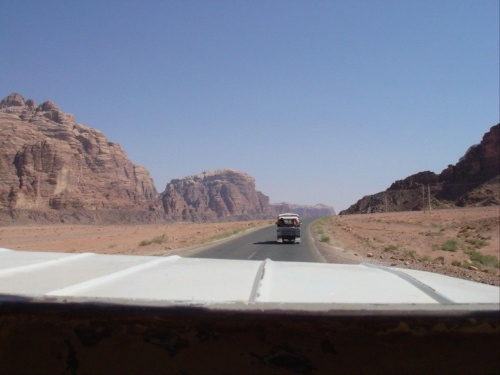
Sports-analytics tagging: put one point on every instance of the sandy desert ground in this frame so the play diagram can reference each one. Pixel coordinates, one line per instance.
(153, 239)
(462, 242)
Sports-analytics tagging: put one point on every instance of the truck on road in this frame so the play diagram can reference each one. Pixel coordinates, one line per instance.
(288, 228)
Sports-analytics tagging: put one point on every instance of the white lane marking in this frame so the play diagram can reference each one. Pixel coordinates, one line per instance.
(251, 256)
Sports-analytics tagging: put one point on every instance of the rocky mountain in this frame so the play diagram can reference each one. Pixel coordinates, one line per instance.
(53, 169)
(473, 181)
(219, 195)
(226, 194)
(302, 210)
(48, 161)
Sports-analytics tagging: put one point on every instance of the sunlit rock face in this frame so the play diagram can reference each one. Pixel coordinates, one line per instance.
(215, 195)
(473, 181)
(48, 161)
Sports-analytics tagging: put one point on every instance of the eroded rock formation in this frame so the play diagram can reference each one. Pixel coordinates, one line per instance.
(473, 181)
(48, 161)
(220, 195)
(53, 169)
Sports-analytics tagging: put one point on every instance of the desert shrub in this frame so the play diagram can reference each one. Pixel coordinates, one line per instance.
(477, 243)
(323, 220)
(318, 224)
(391, 248)
(160, 239)
(325, 238)
(450, 246)
(440, 233)
(486, 260)
(410, 253)
(456, 263)
(222, 235)
(157, 240)
(465, 234)
(477, 264)
(468, 249)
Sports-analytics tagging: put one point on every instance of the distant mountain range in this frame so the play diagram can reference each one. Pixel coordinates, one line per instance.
(226, 193)
(53, 169)
(302, 210)
(473, 181)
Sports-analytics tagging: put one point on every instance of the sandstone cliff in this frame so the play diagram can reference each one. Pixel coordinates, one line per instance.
(53, 169)
(48, 161)
(302, 210)
(221, 195)
(473, 181)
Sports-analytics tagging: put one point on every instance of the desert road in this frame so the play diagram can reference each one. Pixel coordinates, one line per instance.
(261, 245)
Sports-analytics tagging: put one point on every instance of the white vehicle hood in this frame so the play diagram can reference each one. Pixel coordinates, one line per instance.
(231, 284)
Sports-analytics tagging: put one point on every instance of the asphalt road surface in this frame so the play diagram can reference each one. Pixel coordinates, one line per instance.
(261, 245)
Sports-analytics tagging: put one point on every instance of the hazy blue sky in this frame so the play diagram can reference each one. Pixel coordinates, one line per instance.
(319, 101)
